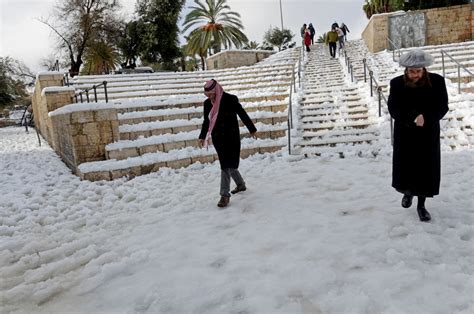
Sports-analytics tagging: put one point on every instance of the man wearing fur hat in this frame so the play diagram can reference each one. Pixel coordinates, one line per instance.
(418, 100)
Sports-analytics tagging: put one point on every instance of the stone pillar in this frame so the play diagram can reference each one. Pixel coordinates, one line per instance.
(82, 131)
(44, 79)
(53, 98)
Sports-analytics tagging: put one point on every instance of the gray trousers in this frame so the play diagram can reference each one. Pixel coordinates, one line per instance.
(226, 174)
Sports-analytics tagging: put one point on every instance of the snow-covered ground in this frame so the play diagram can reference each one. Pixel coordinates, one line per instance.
(322, 235)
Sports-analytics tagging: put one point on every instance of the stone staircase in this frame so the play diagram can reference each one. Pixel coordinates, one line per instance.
(333, 117)
(458, 124)
(160, 115)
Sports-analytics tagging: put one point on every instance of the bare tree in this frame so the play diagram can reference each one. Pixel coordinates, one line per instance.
(80, 23)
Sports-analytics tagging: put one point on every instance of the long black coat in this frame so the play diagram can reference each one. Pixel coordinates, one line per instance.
(226, 135)
(416, 150)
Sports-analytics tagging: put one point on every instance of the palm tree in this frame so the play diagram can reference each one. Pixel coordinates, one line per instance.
(321, 39)
(100, 58)
(251, 45)
(214, 25)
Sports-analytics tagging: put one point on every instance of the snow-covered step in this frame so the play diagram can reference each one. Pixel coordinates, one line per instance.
(187, 101)
(151, 162)
(328, 111)
(167, 142)
(307, 135)
(340, 125)
(147, 129)
(171, 93)
(335, 116)
(192, 112)
(340, 139)
(254, 70)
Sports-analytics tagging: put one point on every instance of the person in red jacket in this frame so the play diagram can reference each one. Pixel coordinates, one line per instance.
(307, 39)
(220, 123)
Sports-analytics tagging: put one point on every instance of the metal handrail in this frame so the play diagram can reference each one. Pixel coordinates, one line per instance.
(94, 87)
(373, 83)
(459, 65)
(396, 48)
(380, 94)
(290, 108)
(350, 68)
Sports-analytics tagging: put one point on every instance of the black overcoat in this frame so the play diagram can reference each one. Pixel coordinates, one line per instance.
(226, 135)
(416, 150)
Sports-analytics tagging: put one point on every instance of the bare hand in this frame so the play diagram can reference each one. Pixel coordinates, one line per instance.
(201, 142)
(254, 135)
(420, 121)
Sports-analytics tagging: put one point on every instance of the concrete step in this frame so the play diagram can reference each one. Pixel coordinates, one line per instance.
(192, 112)
(342, 139)
(168, 142)
(151, 162)
(308, 135)
(335, 117)
(339, 125)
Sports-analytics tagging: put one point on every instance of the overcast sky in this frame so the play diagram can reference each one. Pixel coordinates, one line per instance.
(26, 39)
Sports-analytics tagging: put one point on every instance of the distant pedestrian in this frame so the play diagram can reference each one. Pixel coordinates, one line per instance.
(340, 37)
(331, 39)
(345, 29)
(302, 30)
(418, 100)
(220, 123)
(307, 39)
(312, 32)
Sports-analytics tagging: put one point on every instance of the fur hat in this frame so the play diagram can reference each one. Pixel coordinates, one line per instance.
(416, 58)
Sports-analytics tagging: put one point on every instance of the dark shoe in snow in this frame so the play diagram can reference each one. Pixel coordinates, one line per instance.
(224, 201)
(239, 188)
(407, 200)
(423, 214)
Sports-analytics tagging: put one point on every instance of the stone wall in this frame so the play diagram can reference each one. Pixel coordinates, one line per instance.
(81, 133)
(443, 26)
(42, 106)
(236, 58)
(449, 25)
(376, 32)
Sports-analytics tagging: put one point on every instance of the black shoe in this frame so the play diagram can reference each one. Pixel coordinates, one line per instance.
(407, 200)
(423, 214)
(224, 201)
(239, 188)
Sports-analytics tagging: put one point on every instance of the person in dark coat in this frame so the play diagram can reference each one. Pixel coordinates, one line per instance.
(345, 30)
(418, 100)
(312, 32)
(220, 122)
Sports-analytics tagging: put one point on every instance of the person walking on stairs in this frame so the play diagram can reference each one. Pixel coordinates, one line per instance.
(312, 32)
(220, 123)
(418, 100)
(307, 39)
(331, 39)
(345, 29)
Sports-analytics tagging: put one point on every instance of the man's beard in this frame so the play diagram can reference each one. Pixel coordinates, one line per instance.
(422, 81)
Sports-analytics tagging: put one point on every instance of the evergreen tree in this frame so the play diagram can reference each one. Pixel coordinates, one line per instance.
(158, 26)
(277, 37)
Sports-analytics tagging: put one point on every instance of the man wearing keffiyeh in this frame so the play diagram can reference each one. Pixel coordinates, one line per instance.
(220, 123)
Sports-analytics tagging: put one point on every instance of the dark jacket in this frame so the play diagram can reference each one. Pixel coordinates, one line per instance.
(312, 31)
(226, 135)
(416, 150)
